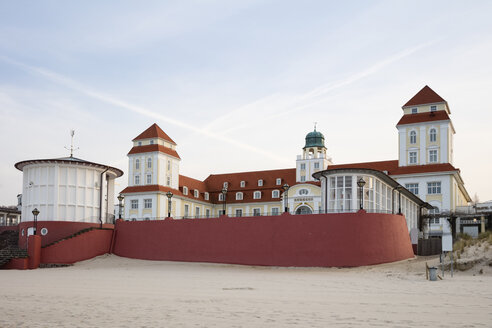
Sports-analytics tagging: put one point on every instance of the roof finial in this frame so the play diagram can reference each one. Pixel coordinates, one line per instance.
(315, 125)
(72, 132)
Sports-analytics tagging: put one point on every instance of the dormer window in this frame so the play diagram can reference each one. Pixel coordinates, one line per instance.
(257, 195)
(185, 190)
(242, 184)
(278, 181)
(206, 196)
(433, 108)
(414, 110)
(225, 185)
(260, 183)
(275, 194)
(239, 196)
(151, 142)
(221, 197)
(139, 143)
(196, 193)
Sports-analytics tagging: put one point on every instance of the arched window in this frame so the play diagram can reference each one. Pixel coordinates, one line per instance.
(413, 137)
(239, 196)
(257, 195)
(137, 164)
(433, 135)
(275, 194)
(149, 162)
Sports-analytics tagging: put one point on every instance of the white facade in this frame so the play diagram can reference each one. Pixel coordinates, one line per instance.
(67, 189)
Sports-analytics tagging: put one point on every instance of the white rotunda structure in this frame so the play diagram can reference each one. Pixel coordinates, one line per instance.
(68, 190)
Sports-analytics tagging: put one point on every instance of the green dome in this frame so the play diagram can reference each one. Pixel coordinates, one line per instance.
(315, 139)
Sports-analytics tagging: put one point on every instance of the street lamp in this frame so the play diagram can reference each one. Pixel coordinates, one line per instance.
(224, 195)
(361, 184)
(120, 200)
(35, 212)
(399, 198)
(169, 204)
(286, 196)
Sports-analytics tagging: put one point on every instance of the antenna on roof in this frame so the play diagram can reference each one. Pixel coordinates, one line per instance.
(315, 125)
(72, 132)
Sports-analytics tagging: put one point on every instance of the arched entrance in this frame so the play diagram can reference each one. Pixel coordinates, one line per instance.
(303, 209)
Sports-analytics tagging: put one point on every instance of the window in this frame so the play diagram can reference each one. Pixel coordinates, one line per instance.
(149, 162)
(316, 165)
(432, 135)
(134, 203)
(412, 157)
(434, 187)
(225, 185)
(257, 195)
(303, 178)
(168, 181)
(243, 184)
(139, 143)
(239, 196)
(414, 110)
(413, 137)
(433, 156)
(278, 181)
(239, 212)
(137, 164)
(303, 166)
(149, 178)
(435, 210)
(207, 213)
(275, 194)
(275, 211)
(196, 193)
(256, 212)
(197, 212)
(151, 142)
(221, 197)
(260, 183)
(168, 165)
(186, 210)
(303, 192)
(137, 179)
(413, 188)
(147, 203)
(185, 190)
(205, 195)
(433, 108)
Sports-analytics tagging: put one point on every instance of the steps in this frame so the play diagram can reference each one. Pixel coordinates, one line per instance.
(75, 235)
(9, 249)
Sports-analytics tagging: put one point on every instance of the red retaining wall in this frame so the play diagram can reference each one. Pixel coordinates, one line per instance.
(79, 248)
(325, 240)
(56, 230)
(18, 264)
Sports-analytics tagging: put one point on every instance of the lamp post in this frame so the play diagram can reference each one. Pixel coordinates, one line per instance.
(224, 196)
(361, 182)
(399, 198)
(169, 203)
(286, 197)
(35, 212)
(120, 204)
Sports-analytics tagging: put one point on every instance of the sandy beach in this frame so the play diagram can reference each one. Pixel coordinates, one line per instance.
(110, 291)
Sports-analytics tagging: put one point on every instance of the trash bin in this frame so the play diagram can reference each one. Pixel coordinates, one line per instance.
(432, 273)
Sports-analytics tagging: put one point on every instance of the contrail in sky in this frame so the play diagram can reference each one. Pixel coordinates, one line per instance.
(71, 84)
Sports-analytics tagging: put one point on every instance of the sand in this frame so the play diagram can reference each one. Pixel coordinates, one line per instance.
(110, 291)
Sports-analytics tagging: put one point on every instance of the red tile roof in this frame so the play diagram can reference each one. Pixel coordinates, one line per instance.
(424, 96)
(152, 148)
(393, 169)
(154, 131)
(164, 189)
(439, 115)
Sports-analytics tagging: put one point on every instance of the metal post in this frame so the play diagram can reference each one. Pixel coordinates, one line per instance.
(169, 204)
(399, 201)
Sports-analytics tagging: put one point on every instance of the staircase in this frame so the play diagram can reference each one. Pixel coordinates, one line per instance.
(8, 247)
(76, 234)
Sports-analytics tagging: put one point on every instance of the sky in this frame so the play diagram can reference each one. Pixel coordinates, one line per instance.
(238, 84)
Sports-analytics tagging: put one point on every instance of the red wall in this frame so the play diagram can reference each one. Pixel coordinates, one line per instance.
(19, 264)
(79, 248)
(56, 230)
(349, 239)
